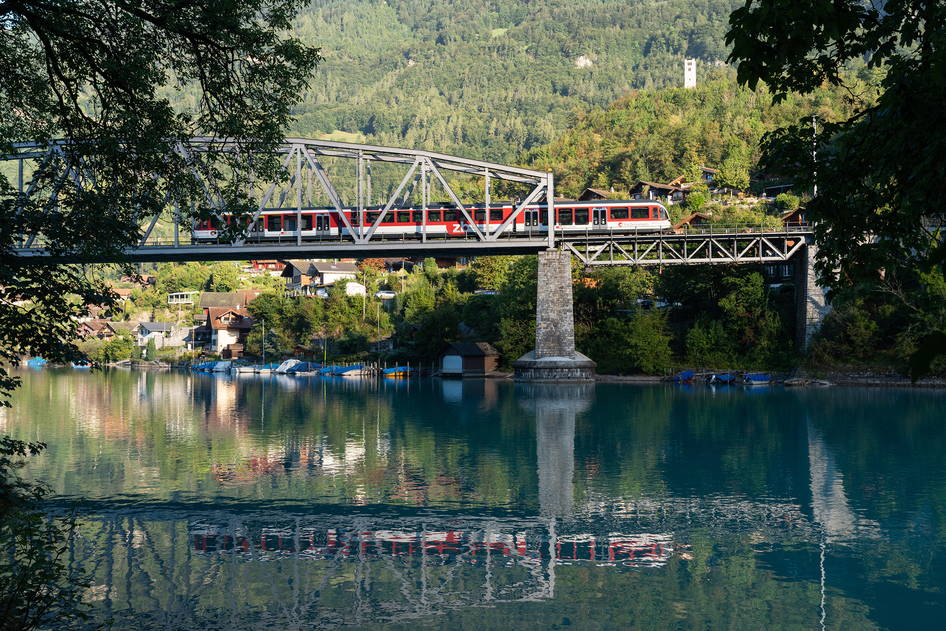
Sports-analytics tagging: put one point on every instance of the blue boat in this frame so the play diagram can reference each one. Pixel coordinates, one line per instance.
(397, 371)
(350, 371)
(303, 368)
(36, 362)
(683, 377)
(328, 370)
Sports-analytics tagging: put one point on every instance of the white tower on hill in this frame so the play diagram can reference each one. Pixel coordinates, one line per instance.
(689, 73)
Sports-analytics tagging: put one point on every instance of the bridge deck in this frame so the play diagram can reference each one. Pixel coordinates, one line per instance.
(721, 245)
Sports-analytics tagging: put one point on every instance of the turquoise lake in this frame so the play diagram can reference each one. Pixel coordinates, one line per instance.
(252, 502)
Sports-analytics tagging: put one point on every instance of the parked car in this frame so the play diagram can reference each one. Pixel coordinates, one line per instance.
(385, 294)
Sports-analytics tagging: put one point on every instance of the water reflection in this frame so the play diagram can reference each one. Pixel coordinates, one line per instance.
(246, 503)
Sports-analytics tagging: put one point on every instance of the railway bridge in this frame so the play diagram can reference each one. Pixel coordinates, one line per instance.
(361, 185)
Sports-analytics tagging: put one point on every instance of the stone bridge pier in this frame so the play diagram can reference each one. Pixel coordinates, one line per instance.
(811, 301)
(554, 357)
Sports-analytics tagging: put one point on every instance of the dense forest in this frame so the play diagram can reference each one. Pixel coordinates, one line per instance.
(658, 135)
(490, 79)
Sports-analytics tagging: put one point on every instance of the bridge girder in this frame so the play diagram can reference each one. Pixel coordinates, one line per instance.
(306, 182)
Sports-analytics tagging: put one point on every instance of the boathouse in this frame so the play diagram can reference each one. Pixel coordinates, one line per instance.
(468, 359)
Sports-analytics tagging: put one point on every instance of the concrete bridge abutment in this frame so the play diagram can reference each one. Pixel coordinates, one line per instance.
(554, 357)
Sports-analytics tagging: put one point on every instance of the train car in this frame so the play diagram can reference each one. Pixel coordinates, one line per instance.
(447, 221)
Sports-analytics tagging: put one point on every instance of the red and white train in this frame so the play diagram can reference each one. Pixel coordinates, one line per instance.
(447, 221)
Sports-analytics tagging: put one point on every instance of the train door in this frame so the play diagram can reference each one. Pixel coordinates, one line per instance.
(531, 217)
(599, 216)
(322, 225)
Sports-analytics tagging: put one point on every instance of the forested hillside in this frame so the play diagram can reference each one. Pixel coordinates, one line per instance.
(492, 78)
(657, 135)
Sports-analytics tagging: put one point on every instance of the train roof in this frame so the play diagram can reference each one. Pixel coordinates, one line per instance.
(497, 204)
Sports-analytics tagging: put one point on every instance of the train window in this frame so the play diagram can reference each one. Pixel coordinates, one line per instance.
(620, 212)
(496, 214)
(433, 216)
(417, 216)
(403, 216)
(581, 216)
(289, 221)
(479, 216)
(565, 216)
(657, 212)
(274, 222)
(451, 215)
(307, 222)
(640, 212)
(372, 217)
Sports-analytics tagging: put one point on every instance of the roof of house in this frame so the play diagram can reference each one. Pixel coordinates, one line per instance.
(709, 170)
(302, 265)
(690, 219)
(471, 349)
(796, 215)
(156, 327)
(323, 267)
(228, 299)
(97, 325)
(216, 299)
(214, 315)
(593, 193)
(665, 187)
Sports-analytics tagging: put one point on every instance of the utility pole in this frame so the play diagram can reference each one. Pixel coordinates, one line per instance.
(814, 152)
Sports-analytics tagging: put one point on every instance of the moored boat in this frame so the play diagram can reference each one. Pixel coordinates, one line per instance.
(757, 379)
(284, 367)
(355, 370)
(397, 371)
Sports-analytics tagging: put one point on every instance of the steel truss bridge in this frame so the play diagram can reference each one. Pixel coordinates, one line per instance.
(315, 173)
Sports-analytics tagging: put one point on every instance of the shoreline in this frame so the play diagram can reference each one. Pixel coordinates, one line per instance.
(828, 379)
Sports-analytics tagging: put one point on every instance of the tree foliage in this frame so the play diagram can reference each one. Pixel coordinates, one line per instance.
(110, 76)
(880, 169)
(38, 587)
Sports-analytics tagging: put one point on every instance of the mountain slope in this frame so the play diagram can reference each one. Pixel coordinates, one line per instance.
(490, 79)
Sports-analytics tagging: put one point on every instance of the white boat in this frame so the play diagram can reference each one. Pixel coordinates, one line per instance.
(286, 365)
(224, 366)
(250, 369)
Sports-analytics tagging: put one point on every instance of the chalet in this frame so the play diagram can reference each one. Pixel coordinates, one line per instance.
(469, 359)
(794, 217)
(100, 329)
(182, 297)
(708, 175)
(267, 265)
(655, 191)
(148, 331)
(225, 330)
(693, 220)
(304, 276)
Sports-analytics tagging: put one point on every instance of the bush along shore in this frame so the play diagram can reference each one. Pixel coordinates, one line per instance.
(631, 321)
